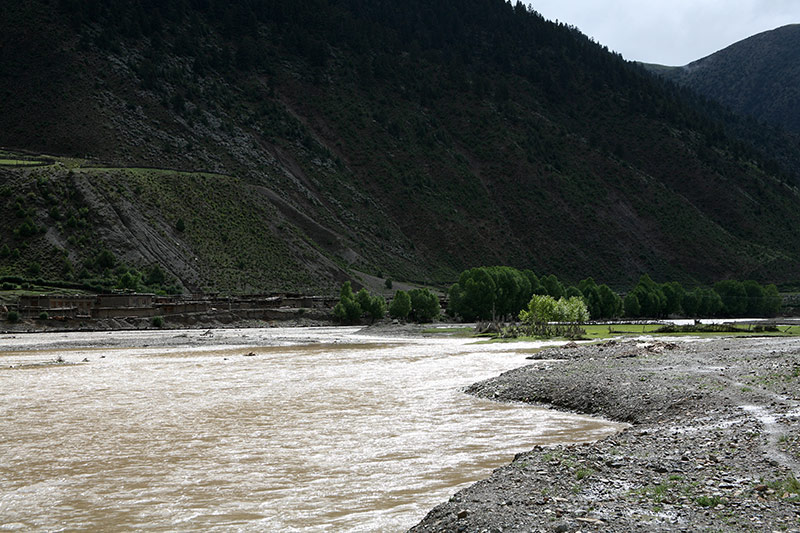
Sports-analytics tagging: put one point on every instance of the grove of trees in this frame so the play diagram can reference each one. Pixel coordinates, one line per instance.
(486, 293)
(505, 293)
(351, 307)
(419, 305)
(490, 293)
(729, 298)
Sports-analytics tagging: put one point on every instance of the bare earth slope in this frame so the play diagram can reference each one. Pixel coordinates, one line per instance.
(714, 444)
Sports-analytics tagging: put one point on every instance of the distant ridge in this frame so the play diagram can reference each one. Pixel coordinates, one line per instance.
(758, 76)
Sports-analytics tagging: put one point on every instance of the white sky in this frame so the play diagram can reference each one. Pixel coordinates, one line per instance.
(669, 32)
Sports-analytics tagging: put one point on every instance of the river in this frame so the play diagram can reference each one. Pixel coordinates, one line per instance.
(306, 429)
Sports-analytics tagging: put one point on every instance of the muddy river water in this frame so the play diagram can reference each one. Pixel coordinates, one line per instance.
(307, 429)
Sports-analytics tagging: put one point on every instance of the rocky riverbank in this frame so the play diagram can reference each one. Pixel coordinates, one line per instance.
(714, 442)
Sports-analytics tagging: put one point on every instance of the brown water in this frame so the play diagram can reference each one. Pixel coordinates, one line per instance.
(320, 430)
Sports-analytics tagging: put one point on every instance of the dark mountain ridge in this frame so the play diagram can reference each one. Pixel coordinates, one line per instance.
(409, 140)
(758, 76)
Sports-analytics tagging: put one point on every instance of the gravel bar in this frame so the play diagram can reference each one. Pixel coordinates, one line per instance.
(714, 442)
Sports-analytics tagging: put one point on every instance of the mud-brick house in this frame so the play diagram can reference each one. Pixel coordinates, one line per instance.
(124, 305)
(97, 306)
(56, 305)
(174, 306)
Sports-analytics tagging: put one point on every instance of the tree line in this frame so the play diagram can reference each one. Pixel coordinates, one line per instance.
(499, 292)
(418, 305)
(487, 293)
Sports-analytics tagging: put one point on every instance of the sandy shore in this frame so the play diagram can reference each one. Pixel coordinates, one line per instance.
(714, 443)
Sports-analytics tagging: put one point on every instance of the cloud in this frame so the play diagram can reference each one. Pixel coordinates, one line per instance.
(675, 32)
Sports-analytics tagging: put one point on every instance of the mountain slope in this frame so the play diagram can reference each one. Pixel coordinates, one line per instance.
(404, 140)
(759, 76)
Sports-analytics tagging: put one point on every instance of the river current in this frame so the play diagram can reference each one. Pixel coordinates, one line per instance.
(306, 429)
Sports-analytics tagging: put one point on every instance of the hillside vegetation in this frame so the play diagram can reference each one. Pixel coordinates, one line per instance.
(311, 139)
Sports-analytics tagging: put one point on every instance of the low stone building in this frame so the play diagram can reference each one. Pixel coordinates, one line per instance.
(57, 304)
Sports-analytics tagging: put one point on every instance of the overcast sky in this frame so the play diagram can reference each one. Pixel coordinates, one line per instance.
(670, 32)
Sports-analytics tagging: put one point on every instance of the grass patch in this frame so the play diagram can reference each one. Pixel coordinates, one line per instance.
(708, 501)
(600, 332)
(453, 332)
(19, 162)
(12, 296)
(787, 489)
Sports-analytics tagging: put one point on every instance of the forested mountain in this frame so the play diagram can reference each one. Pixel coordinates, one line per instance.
(301, 140)
(759, 76)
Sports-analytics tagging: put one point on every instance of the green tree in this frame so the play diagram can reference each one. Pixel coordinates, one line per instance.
(573, 292)
(553, 287)
(755, 298)
(610, 303)
(155, 275)
(571, 309)
(347, 309)
(424, 305)
(543, 308)
(631, 306)
(512, 290)
(772, 301)
(105, 259)
(377, 308)
(710, 303)
(473, 297)
(129, 280)
(691, 302)
(373, 306)
(673, 294)
(652, 302)
(591, 295)
(533, 280)
(733, 296)
(401, 305)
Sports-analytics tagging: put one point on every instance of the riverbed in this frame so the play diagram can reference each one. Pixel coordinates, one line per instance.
(714, 443)
(290, 429)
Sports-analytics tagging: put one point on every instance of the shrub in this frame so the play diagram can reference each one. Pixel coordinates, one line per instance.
(12, 317)
(155, 275)
(388, 283)
(43, 315)
(105, 259)
(543, 309)
(157, 322)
